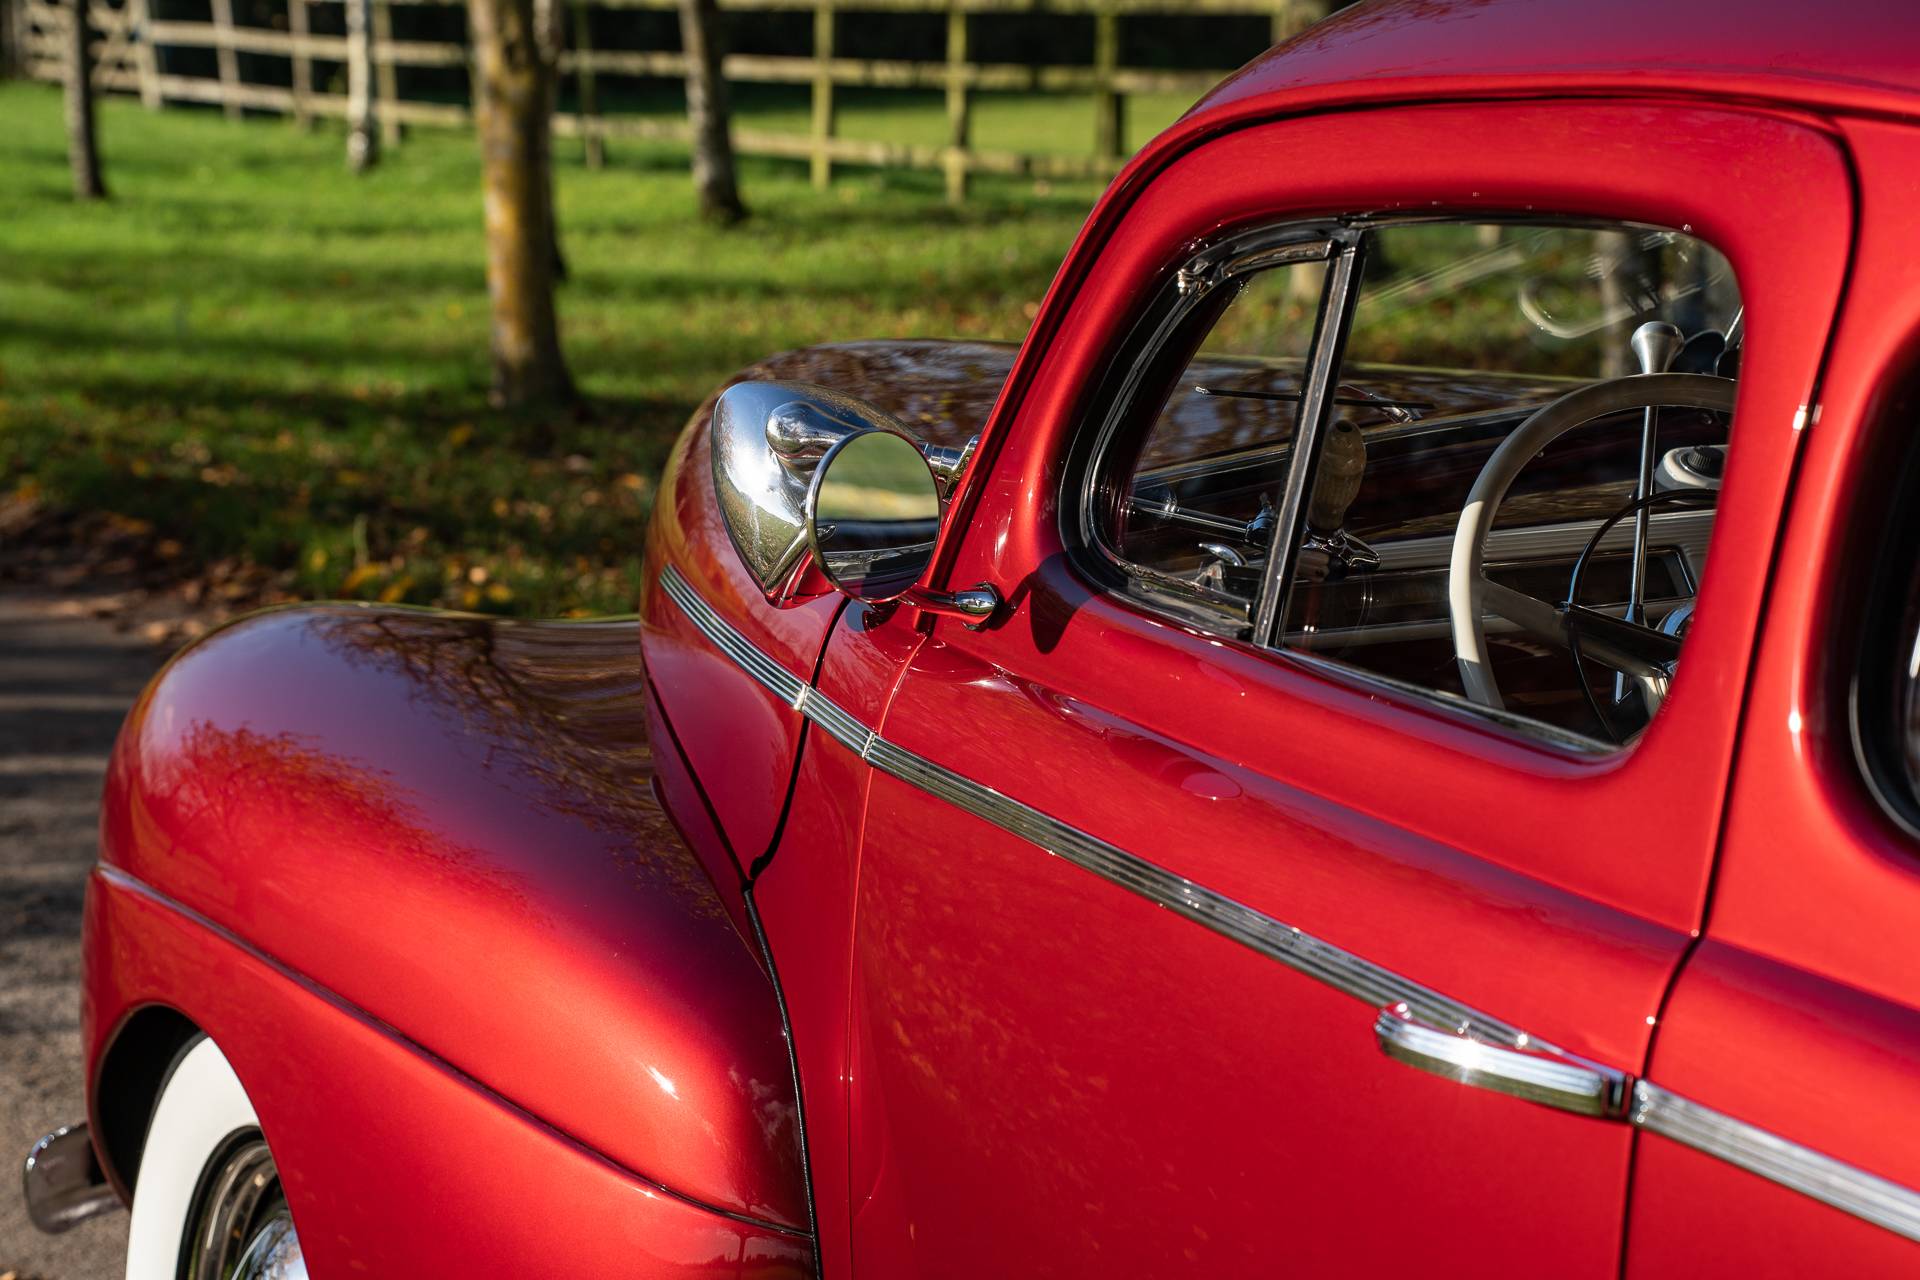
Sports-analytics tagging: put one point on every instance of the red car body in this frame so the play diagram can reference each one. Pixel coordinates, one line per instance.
(826, 938)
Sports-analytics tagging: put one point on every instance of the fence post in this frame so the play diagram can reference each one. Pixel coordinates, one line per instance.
(388, 76)
(363, 143)
(146, 60)
(300, 29)
(592, 144)
(959, 105)
(228, 60)
(822, 167)
(1110, 109)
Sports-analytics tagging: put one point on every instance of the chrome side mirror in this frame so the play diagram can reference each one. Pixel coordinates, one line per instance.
(877, 516)
(873, 512)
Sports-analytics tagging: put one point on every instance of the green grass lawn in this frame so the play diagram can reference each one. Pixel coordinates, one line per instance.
(256, 356)
(1047, 124)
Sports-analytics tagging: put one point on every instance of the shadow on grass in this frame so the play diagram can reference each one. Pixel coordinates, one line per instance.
(356, 284)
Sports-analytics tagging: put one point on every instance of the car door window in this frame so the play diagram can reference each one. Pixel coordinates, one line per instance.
(1201, 490)
(1450, 346)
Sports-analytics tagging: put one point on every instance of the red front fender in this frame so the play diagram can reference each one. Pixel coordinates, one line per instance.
(443, 829)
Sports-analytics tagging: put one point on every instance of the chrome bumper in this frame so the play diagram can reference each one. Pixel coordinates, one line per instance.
(63, 1181)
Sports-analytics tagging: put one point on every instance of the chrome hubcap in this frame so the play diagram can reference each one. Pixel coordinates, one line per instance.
(242, 1228)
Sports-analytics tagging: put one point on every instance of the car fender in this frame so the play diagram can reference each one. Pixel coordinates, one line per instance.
(447, 824)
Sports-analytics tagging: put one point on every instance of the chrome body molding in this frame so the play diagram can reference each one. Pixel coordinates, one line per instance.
(1413, 1022)
(777, 679)
(1318, 959)
(1831, 1182)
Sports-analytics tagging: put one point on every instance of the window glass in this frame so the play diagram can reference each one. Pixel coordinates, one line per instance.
(1460, 336)
(1193, 516)
(1490, 394)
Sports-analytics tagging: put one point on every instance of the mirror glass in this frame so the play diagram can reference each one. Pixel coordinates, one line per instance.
(873, 513)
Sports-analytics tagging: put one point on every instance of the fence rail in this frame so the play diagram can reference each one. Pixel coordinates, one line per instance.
(128, 44)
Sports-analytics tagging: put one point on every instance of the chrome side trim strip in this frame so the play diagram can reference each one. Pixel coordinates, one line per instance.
(1275, 939)
(845, 730)
(1789, 1164)
(784, 685)
(1830, 1181)
(1318, 959)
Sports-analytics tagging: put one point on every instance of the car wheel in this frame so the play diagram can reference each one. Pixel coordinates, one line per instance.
(208, 1203)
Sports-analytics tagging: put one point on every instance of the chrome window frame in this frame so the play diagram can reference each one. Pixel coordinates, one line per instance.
(1242, 255)
(1235, 258)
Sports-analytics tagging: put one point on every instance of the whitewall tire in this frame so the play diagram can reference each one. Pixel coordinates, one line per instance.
(207, 1201)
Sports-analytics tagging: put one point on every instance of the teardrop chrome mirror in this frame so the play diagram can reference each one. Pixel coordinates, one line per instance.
(873, 514)
(768, 441)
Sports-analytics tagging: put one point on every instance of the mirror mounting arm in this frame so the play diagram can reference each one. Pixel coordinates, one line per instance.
(975, 606)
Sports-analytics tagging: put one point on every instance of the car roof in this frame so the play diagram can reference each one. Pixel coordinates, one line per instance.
(1842, 57)
(1852, 56)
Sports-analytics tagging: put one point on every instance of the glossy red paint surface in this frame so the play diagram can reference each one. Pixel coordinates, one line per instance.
(395, 1164)
(449, 824)
(1858, 57)
(1818, 1063)
(1632, 161)
(1010, 1066)
(1803, 1013)
(740, 740)
(1022, 1030)
(806, 902)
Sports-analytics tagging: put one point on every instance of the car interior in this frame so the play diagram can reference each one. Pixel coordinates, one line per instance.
(1520, 432)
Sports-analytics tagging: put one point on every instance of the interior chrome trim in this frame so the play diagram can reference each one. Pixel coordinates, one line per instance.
(1688, 530)
(1821, 1177)
(1799, 1168)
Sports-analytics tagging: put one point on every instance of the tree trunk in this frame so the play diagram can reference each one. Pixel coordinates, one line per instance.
(363, 138)
(549, 34)
(82, 153)
(709, 113)
(513, 104)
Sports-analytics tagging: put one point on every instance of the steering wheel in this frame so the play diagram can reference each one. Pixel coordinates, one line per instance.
(1630, 647)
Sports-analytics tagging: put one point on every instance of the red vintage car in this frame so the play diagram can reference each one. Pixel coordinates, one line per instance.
(1318, 761)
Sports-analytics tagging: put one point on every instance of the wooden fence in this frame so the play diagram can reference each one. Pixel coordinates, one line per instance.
(129, 45)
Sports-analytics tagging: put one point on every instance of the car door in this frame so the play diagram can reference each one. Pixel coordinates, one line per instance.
(1780, 1105)
(1134, 892)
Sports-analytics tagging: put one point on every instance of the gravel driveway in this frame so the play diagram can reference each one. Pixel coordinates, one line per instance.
(66, 679)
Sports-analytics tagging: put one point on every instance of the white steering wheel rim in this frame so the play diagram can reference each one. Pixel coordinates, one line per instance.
(1466, 572)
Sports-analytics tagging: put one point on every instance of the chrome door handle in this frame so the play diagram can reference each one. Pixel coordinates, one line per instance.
(1553, 1078)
